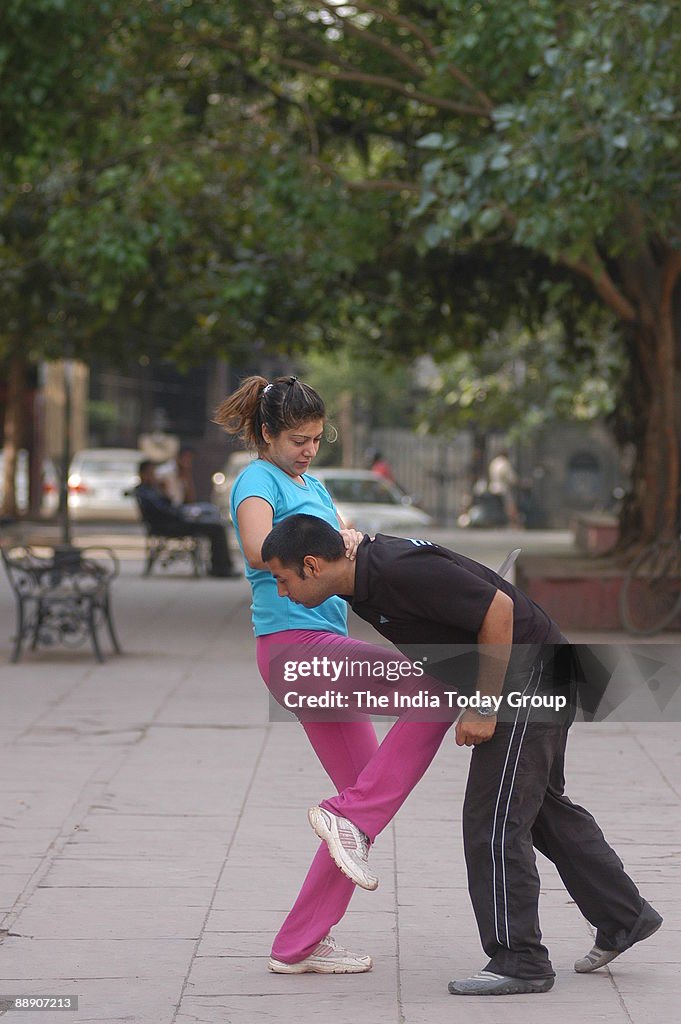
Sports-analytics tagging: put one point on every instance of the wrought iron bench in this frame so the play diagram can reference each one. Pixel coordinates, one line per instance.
(165, 550)
(165, 546)
(63, 596)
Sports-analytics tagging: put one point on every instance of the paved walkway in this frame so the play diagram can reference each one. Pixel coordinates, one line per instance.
(153, 835)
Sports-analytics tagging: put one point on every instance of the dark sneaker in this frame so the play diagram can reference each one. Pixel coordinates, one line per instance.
(326, 958)
(648, 924)
(486, 983)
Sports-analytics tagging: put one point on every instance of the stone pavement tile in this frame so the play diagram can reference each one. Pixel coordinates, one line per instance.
(242, 922)
(11, 886)
(63, 959)
(652, 1006)
(316, 999)
(634, 979)
(240, 901)
(116, 913)
(248, 976)
(237, 944)
(369, 923)
(128, 1000)
(18, 864)
(443, 1008)
(102, 819)
(125, 843)
(154, 874)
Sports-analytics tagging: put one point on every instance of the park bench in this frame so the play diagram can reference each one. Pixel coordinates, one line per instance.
(165, 548)
(62, 596)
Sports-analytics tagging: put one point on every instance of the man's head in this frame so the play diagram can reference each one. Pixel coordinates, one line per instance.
(306, 556)
(185, 457)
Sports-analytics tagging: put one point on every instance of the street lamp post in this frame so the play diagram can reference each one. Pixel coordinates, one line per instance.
(65, 553)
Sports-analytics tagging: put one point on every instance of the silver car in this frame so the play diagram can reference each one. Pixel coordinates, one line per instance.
(98, 481)
(223, 480)
(363, 499)
(371, 504)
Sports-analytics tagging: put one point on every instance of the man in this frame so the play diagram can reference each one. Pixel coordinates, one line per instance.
(165, 519)
(177, 480)
(503, 480)
(415, 592)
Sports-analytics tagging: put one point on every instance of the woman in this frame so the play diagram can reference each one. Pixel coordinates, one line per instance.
(284, 420)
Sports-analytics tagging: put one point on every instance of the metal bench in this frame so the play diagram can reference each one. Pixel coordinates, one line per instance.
(62, 596)
(165, 550)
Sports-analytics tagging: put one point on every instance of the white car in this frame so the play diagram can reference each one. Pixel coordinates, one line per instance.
(223, 481)
(98, 481)
(371, 504)
(363, 499)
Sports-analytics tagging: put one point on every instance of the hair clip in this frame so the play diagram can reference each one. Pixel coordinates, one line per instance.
(267, 388)
(292, 380)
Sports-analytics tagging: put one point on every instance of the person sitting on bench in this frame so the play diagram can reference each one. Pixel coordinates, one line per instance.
(166, 520)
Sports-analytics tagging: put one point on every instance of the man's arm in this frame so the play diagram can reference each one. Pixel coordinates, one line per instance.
(495, 638)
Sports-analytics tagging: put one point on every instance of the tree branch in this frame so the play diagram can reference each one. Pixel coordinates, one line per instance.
(670, 275)
(428, 45)
(375, 40)
(604, 285)
(384, 81)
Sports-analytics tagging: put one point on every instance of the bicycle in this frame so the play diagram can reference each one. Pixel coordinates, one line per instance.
(650, 597)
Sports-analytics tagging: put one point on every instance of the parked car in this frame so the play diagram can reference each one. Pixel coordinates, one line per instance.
(98, 481)
(363, 500)
(371, 504)
(224, 479)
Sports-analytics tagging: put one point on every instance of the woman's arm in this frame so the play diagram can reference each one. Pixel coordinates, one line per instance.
(255, 517)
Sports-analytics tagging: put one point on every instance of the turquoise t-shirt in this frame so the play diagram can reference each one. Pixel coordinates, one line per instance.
(272, 613)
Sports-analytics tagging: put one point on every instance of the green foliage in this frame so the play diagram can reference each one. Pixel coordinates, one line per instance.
(583, 127)
(188, 177)
(522, 380)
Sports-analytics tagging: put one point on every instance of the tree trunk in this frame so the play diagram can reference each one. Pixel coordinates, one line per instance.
(14, 430)
(651, 511)
(346, 422)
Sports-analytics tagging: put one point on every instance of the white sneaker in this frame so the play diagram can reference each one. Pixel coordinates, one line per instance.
(347, 844)
(325, 958)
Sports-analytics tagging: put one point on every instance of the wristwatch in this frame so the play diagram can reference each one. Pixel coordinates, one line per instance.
(485, 712)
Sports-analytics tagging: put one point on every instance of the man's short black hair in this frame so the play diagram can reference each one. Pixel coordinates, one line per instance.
(300, 535)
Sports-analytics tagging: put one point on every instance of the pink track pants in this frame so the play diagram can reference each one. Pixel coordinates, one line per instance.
(372, 782)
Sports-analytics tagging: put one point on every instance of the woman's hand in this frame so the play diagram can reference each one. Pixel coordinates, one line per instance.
(352, 540)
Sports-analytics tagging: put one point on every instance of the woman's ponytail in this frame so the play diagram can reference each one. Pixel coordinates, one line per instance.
(284, 403)
(238, 414)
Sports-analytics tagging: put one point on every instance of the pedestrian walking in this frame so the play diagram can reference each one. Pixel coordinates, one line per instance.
(503, 481)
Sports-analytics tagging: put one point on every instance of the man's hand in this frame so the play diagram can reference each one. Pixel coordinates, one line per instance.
(472, 729)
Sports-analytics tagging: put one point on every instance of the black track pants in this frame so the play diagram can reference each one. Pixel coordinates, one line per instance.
(515, 802)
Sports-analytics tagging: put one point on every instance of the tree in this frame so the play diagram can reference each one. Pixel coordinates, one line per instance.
(546, 127)
(134, 217)
(521, 380)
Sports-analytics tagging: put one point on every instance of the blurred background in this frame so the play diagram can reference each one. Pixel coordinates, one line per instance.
(459, 222)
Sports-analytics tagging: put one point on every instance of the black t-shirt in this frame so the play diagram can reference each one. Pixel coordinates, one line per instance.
(414, 591)
(430, 601)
